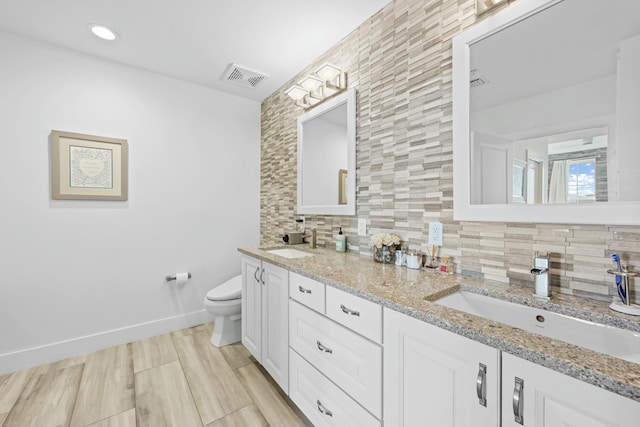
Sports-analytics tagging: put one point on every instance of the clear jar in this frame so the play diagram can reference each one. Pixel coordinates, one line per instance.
(446, 266)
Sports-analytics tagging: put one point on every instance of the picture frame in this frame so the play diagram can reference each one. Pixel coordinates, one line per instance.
(342, 186)
(88, 167)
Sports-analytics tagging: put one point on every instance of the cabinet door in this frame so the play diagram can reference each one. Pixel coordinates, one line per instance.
(432, 376)
(275, 323)
(252, 306)
(541, 397)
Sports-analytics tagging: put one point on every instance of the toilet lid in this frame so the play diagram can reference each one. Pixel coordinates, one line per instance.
(231, 289)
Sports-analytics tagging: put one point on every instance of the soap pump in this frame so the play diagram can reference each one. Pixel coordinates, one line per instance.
(341, 242)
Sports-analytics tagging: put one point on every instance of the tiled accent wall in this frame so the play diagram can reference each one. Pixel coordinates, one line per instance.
(400, 63)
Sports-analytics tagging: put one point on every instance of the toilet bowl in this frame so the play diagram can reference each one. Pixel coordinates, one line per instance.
(224, 302)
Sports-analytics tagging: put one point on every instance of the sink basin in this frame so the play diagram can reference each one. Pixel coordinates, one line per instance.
(595, 336)
(289, 253)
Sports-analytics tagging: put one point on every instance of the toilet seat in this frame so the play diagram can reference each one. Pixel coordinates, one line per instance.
(229, 290)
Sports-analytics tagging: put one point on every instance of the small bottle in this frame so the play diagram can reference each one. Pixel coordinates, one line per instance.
(341, 242)
(447, 266)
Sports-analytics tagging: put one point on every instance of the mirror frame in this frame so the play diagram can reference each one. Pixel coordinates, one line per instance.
(610, 213)
(348, 98)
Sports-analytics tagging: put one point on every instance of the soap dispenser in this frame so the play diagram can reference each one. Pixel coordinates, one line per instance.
(341, 242)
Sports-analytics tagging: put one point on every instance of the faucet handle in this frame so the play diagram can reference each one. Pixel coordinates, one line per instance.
(541, 261)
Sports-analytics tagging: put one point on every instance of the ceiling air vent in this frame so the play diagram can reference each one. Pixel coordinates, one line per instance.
(477, 79)
(241, 76)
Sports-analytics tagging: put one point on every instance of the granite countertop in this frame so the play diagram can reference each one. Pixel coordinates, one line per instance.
(413, 293)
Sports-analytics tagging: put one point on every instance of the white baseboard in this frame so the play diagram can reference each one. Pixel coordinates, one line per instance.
(14, 361)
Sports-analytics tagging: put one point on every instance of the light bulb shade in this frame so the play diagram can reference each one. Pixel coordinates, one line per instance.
(328, 72)
(296, 92)
(483, 6)
(311, 83)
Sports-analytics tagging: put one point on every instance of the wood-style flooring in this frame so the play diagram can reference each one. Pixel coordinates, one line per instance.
(175, 379)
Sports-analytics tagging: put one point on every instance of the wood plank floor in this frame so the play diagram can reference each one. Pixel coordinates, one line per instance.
(175, 379)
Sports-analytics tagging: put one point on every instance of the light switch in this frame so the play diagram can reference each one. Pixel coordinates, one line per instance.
(362, 226)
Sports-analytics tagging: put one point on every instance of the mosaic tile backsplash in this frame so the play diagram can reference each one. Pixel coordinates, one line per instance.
(400, 62)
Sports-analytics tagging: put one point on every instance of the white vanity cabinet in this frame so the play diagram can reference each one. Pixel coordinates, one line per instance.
(265, 316)
(335, 375)
(535, 396)
(438, 378)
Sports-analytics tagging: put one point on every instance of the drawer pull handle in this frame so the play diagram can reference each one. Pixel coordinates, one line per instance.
(518, 394)
(349, 311)
(303, 290)
(481, 384)
(323, 348)
(324, 410)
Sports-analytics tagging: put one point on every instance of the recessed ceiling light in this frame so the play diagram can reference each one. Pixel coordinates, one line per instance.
(103, 32)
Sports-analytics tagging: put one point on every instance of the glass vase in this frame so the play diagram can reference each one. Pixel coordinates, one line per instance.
(384, 254)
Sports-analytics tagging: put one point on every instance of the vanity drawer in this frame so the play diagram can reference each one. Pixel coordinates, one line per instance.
(321, 400)
(349, 360)
(364, 317)
(307, 291)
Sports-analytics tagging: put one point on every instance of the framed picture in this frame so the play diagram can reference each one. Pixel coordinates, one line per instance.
(342, 187)
(88, 167)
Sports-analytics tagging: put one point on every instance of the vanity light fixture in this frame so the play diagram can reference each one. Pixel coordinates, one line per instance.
(483, 6)
(315, 88)
(103, 32)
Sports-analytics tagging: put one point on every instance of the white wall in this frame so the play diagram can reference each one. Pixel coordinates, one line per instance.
(628, 150)
(82, 275)
(325, 153)
(588, 104)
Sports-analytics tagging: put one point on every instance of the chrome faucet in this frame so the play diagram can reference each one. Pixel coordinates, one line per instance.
(314, 235)
(540, 271)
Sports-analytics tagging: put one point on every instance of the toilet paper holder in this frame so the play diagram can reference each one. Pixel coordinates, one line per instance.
(170, 278)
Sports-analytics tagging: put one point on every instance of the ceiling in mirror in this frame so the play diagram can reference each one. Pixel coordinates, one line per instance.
(554, 102)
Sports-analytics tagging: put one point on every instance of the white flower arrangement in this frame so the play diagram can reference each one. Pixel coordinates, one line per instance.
(385, 239)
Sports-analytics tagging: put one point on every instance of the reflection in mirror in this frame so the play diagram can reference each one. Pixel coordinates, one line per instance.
(548, 85)
(326, 157)
(554, 107)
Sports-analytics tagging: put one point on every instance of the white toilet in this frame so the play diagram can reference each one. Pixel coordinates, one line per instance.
(224, 302)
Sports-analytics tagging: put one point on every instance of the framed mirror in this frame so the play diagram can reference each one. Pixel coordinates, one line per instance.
(546, 108)
(327, 157)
